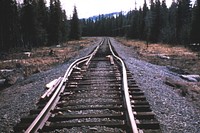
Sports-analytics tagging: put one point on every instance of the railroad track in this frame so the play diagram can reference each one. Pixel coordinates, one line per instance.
(96, 94)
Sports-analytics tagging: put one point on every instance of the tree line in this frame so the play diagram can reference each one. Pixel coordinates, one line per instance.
(177, 24)
(33, 24)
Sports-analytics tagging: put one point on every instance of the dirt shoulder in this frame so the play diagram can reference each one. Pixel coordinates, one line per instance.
(16, 66)
(17, 100)
(177, 59)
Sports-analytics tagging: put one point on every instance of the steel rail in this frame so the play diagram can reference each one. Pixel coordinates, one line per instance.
(126, 93)
(43, 116)
(95, 51)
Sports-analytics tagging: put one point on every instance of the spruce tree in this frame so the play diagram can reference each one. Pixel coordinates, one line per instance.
(9, 24)
(29, 24)
(165, 32)
(195, 28)
(155, 25)
(172, 38)
(64, 27)
(134, 28)
(54, 32)
(144, 13)
(75, 32)
(42, 19)
(183, 21)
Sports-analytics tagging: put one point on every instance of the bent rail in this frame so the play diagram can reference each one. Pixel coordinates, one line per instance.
(40, 120)
(131, 118)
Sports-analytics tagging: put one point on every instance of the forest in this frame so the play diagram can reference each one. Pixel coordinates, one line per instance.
(177, 24)
(33, 24)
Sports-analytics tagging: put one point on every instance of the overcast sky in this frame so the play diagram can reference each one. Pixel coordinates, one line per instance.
(88, 8)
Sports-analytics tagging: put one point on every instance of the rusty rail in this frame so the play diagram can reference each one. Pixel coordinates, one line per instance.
(136, 113)
(130, 116)
(40, 120)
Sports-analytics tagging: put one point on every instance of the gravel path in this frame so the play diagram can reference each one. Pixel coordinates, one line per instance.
(175, 114)
(17, 100)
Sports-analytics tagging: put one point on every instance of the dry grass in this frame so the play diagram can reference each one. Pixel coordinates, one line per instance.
(180, 57)
(41, 59)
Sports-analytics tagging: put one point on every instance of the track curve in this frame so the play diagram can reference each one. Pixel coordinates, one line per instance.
(96, 94)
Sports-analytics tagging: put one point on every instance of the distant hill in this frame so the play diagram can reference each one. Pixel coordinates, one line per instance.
(107, 15)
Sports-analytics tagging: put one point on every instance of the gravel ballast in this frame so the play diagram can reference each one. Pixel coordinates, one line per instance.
(17, 100)
(173, 111)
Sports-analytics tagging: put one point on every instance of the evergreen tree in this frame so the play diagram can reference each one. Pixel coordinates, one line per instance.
(171, 30)
(64, 27)
(29, 23)
(159, 24)
(134, 28)
(55, 20)
(165, 35)
(120, 24)
(75, 32)
(33, 24)
(148, 24)
(140, 24)
(195, 28)
(144, 13)
(88, 27)
(155, 24)
(42, 19)
(183, 21)
(9, 24)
